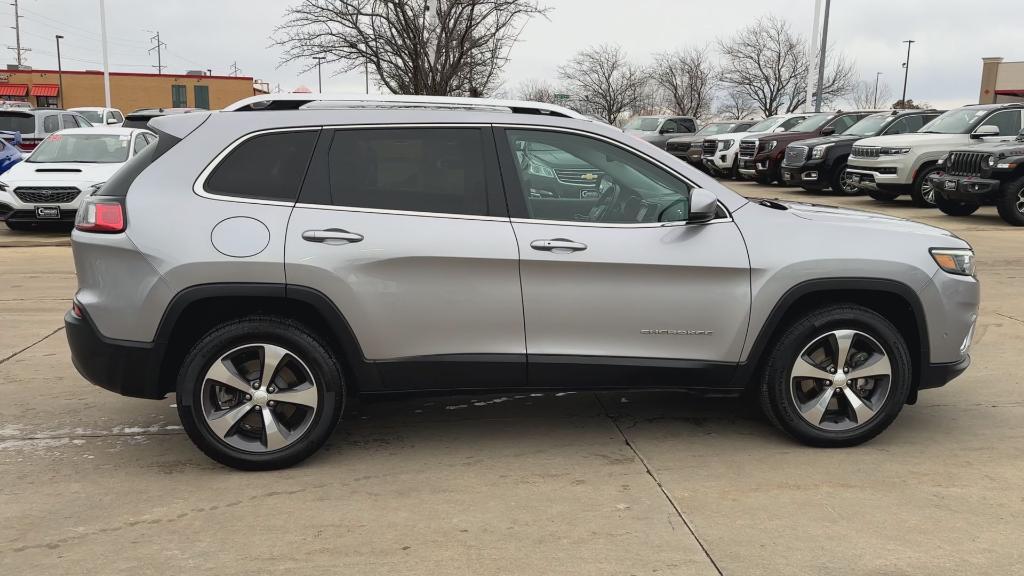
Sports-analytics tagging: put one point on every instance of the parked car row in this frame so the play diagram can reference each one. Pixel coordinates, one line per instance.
(954, 160)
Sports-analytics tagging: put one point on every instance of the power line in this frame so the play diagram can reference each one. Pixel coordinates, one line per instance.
(159, 61)
(78, 29)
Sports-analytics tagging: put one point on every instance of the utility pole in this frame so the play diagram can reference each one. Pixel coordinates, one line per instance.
(877, 74)
(812, 51)
(366, 73)
(821, 58)
(18, 50)
(319, 78)
(158, 47)
(60, 75)
(106, 62)
(234, 69)
(906, 72)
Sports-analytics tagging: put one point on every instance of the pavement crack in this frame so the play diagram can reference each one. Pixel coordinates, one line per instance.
(2, 360)
(1009, 317)
(96, 435)
(657, 481)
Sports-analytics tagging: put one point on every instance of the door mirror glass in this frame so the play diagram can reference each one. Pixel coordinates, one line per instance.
(703, 206)
(111, 120)
(986, 130)
(779, 129)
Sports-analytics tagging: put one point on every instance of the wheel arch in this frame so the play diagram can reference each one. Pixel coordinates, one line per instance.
(894, 300)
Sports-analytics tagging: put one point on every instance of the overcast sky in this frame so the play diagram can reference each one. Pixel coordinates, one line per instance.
(952, 36)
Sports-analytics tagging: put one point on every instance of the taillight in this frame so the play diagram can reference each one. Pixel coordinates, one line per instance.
(99, 214)
(76, 309)
(28, 144)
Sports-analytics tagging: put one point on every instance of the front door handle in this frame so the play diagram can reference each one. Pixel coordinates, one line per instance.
(332, 236)
(558, 245)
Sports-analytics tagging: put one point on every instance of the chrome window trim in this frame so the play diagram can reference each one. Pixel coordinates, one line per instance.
(413, 213)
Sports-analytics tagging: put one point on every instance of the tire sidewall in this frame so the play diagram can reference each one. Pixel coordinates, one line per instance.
(317, 358)
(922, 177)
(801, 334)
(1007, 202)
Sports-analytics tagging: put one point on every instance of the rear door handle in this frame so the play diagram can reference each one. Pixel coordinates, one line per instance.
(332, 236)
(558, 245)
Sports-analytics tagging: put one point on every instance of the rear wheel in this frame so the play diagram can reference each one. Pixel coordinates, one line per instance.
(260, 393)
(1011, 202)
(955, 207)
(883, 196)
(837, 377)
(923, 191)
(842, 183)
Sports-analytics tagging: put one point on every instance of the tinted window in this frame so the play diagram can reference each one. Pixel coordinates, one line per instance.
(117, 116)
(789, 123)
(50, 123)
(1008, 122)
(269, 166)
(669, 127)
(422, 170)
(906, 124)
(92, 115)
(688, 125)
(580, 179)
(16, 122)
(843, 123)
(140, 143)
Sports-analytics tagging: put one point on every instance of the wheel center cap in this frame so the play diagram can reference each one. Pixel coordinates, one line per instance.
(260, 397)
(839, 381)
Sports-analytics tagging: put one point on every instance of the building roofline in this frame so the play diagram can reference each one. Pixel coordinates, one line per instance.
(135, 74)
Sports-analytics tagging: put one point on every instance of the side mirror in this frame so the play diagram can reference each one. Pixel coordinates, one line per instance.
(779, 129)
(828, 131)
(666, 130)
(986, 130)
(111, 120)
(703, 206)
(1020, 136)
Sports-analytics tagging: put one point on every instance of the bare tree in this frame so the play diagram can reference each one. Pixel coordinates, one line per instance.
(687, 79)
(601, 81)
(437, 47)
(736, 106)
(863, 94)
(911, 105)
(768, 62)
(535, 91)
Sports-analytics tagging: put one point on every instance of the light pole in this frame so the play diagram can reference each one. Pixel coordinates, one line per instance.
(821, 58)
(106, 63)
(60, 75)
(319, 79)
(906, 72)
(877, 74)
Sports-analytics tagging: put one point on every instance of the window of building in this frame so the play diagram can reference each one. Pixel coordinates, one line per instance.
(179, 96)
(438, 170)
(269, 166)
(46, 101)
(201, 95)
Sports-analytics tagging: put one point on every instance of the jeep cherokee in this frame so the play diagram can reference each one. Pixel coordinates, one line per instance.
(269, 262)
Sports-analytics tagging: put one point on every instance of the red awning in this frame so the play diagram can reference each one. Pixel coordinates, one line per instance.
(44, 90)
(13, 89)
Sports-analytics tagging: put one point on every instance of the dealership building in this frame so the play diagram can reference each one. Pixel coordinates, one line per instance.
(1001, 81)
(128, 91)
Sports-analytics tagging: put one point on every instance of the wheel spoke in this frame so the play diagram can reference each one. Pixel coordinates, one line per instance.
(843, 340)
(224, 373)
(804, 369)
(224, 423)
(860, 409)
(273, 356)
(814, 410)
(880, 367)
(305, 396)
(275, 435)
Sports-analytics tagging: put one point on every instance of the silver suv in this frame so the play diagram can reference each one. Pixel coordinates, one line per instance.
(269, 262)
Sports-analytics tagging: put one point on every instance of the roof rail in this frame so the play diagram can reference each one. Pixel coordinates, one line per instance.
(299, 101)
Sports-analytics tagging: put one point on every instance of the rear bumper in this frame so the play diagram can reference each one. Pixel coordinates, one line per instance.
(966, 188)
(128, 368)
(938, 375)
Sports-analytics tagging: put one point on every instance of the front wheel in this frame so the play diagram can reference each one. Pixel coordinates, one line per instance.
(260, 393)
(951, 207)
(842, 183)
(1011, 202)
(837, 377)
(923, 190)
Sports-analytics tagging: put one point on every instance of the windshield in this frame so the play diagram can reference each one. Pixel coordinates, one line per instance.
(870, 125)
(812, 123)
(92, 116)
(712, 129)
(24, 123)
(643, 124)
(765, 125)
(955, 121)
(89, 148)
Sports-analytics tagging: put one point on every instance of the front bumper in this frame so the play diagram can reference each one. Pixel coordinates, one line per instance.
(808, 174)
(128, 368)
(966, 188)
(938, 375)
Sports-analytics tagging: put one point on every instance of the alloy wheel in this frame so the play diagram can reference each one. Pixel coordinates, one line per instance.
(846, 183)
(1020, 201)
(841, 380)
(928, 192)
(259, 398)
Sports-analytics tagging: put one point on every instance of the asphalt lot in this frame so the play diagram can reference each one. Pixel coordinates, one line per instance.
(638, 483)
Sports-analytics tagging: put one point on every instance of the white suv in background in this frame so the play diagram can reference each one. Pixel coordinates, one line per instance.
(719, 153)
(887, 166)
(101, 116)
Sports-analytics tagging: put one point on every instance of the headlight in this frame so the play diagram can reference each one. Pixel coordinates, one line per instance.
(955, 261)
(725, 144)
(771, 144)
(942, 161)
(991, 161)
(541, 170)
(819, 151)
(893, 151)
(4, 187)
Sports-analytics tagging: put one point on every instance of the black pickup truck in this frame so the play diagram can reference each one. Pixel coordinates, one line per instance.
(983, 174)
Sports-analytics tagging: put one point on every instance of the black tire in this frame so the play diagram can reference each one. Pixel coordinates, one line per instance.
(837, 182)
(955, 207)
(883, 196)
(764, 180)
(812, 187)
(321, 362)
(1010, 203)
(778, 402)
(922, 193)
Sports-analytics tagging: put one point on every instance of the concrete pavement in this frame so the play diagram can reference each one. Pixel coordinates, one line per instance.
(638, 483)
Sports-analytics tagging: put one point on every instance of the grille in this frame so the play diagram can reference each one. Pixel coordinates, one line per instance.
(709, 147)
(965, 163)
(795, 156)
(865, 151)
(578, 177)
(38, 195)
(748, 148)
(678, 146)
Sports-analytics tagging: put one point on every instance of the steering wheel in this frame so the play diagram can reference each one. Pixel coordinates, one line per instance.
(610, 193)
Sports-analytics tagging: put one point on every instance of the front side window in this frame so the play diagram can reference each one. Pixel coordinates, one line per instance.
(79, 147)
(792, 124)
(582, 179)
(117, 116)
(810, 123)
(670, 127)
(438, 170)
(843, 123)
(92, 116)
(1008, 122)
(959, 121)
(140, 142)
(268, 167)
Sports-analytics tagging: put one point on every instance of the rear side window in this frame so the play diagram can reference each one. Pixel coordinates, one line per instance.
(268, 167)
(50, 123)
(438, 170)
(688, 125)
(17, 122)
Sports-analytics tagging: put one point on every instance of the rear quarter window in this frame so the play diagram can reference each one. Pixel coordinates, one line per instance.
(267, 167)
